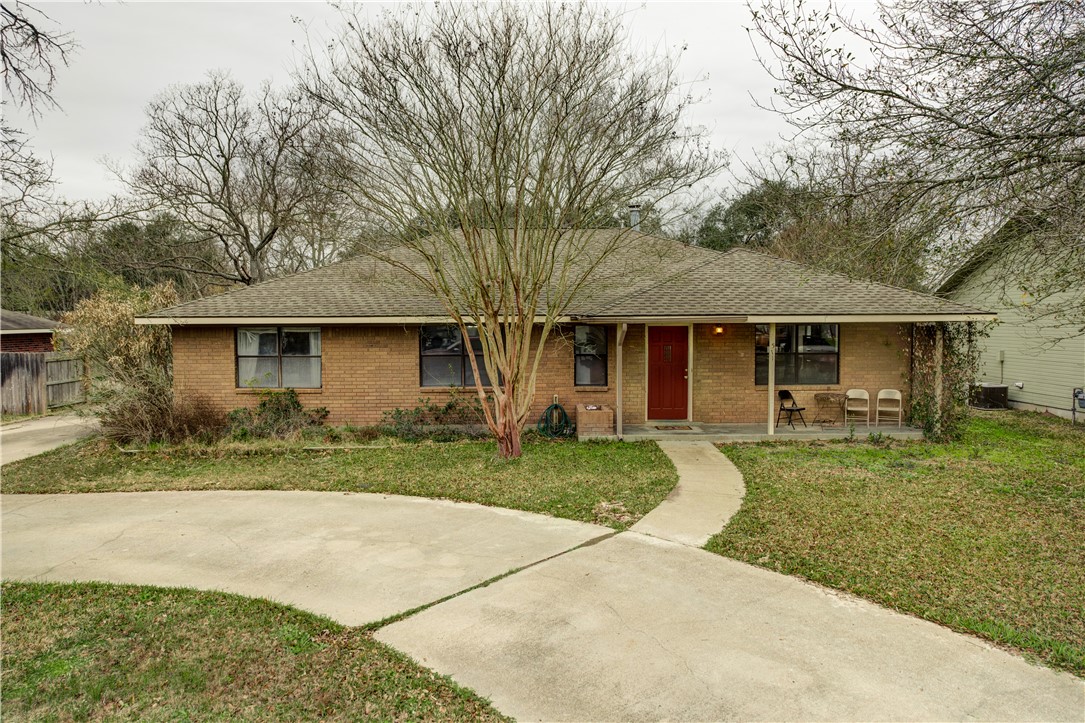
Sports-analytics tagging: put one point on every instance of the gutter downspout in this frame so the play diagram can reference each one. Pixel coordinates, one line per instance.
(619, 426)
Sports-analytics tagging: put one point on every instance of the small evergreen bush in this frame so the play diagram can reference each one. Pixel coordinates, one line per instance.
(278, 415)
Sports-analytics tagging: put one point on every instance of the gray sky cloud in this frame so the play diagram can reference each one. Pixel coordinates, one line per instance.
(128, 53)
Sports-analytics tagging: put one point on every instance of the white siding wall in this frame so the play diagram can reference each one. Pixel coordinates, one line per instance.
(1031, 352)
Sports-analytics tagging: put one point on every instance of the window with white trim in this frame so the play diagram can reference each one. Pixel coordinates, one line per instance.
(278, 357)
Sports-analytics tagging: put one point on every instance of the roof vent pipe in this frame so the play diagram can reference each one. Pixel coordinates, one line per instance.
(634, 216)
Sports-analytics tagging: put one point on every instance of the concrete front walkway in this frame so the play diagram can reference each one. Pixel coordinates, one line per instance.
(709, 492)
(357, 558)
(20, 440)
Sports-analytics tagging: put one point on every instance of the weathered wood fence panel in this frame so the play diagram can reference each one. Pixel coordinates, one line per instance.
(64, 380)
(21, 377)
(31, 383)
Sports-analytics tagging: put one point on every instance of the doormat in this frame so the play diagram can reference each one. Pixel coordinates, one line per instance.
(676, 427)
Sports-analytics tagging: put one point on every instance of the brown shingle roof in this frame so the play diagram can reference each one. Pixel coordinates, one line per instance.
(649, 277)
(18, 321)
(741, 282)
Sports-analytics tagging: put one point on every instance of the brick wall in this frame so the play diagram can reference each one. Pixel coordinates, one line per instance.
(370, 369)
(26, 342)
(367, 370)
(872, 357)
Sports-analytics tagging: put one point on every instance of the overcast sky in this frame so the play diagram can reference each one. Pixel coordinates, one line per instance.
(128, 53)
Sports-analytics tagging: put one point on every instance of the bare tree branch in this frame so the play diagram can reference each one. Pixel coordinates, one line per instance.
(984, 102)
(243, 171)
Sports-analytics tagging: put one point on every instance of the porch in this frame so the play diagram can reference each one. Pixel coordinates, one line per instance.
(697, 431)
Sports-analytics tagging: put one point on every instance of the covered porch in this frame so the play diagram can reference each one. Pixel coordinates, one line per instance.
(721, 378)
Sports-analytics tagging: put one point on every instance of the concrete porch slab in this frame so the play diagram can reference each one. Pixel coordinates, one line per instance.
(731, 433)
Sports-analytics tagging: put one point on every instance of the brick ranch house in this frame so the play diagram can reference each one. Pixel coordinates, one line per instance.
(689, 341)
(21, 332)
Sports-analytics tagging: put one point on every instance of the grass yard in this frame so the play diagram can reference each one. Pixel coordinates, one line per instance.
(608, 483)
(985, 535)
(94, 651)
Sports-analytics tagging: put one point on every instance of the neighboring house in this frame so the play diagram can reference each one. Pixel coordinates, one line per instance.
(1039, 359)
(667, 332)
(25, 333)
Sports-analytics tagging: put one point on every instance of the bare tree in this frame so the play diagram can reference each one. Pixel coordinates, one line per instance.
(985, 100)
(31, 52)
(241, 172)
(825, 205)
(490, 141)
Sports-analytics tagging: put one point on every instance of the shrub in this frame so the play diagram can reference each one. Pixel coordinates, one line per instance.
(943, 414)
(143, 411)
(278, 415)
(103, 330)
(458, 418)
(132, 393)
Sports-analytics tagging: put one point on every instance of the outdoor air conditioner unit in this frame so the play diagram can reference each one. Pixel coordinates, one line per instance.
(990, 396)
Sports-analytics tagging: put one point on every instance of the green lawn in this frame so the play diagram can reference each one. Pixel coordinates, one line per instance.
(985, 535)
(609, 483)
(94, 651)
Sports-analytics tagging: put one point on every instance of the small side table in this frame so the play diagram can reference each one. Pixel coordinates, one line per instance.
(830, 407)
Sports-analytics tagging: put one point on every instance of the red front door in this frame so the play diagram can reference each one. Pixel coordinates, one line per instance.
(668, 371)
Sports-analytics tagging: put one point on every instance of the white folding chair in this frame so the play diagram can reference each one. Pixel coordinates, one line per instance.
(857, 405)
(890, 403)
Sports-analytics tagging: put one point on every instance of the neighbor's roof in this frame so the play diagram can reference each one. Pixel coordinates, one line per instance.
(1001, 240)
(20, 323)
(647, 278)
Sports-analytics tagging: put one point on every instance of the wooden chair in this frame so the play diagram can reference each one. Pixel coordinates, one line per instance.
(790, 407)
(857, 405)
(889, 403)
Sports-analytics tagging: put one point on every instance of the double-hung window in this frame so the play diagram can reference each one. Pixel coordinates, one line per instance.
(278, 357)
(805, 354)
(590, 356)
(443, 357)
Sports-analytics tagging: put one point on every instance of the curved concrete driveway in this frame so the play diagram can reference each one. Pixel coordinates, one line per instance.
(630, 628)
(357, 558)
(20, 440)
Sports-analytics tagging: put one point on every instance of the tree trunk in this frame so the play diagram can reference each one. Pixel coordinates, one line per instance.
(508, 431)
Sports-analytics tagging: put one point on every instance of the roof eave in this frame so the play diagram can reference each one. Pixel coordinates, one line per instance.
(788, 318)
(873, 318)
(304, 320)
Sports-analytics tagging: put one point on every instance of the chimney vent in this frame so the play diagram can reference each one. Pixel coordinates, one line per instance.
(634, 216)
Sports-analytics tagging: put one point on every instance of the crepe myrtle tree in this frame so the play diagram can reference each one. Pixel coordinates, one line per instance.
(489, 140)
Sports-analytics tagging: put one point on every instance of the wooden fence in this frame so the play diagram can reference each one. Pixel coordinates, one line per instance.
(33, 383)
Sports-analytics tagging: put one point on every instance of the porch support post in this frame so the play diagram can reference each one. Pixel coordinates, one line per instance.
(939, 359)
(772, 375)
(619, 426)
